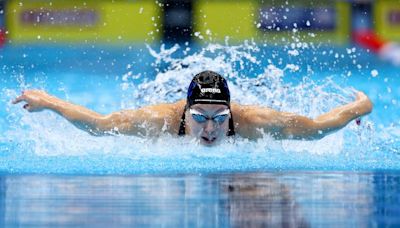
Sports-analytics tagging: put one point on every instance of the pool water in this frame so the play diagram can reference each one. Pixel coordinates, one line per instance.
(54, 174)
(289, 199)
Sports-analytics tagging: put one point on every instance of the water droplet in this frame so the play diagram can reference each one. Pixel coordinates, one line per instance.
(374, 73)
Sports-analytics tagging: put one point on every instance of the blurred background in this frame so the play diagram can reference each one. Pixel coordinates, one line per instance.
(119, 22)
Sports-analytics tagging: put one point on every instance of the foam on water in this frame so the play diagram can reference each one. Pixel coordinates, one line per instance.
(46, 143)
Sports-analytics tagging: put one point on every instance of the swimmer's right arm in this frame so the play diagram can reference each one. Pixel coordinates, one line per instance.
(147, 121)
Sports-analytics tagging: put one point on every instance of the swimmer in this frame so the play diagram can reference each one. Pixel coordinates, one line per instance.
(207, 115)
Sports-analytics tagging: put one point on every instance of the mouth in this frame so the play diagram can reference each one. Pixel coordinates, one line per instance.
(208, 140)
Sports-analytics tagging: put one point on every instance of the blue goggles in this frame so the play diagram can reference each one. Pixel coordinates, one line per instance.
(219, 118)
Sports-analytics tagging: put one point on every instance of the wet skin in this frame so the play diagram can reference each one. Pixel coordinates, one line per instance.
(210, 132)
(208, 129)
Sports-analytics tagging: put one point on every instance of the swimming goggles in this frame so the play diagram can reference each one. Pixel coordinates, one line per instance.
(219, 118)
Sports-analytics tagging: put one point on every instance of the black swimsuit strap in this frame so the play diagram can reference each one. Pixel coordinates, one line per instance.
(182, 128)
(231, 131)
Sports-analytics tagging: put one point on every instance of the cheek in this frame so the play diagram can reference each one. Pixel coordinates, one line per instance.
(195, 128)
(226, 126)
(223, 129)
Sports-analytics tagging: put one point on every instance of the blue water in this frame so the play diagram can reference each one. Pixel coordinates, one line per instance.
(276, 199)
(54, 174)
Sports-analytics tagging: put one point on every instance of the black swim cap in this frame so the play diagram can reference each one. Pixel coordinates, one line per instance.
(208, 87)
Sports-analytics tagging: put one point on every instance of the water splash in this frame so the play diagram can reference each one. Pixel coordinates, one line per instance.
(44, 142)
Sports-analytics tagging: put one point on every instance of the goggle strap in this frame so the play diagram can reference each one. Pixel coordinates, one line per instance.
(195, 112)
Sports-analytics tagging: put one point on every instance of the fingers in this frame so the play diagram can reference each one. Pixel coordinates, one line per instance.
(18, 99)
(28, 108)
(27, 98)
(360, 95)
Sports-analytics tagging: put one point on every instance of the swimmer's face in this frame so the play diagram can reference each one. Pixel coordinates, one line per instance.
(208, 122)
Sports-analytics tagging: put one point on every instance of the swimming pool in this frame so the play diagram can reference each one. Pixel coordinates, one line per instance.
(46, 162)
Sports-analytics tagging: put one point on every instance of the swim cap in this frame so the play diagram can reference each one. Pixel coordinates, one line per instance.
(208, 87)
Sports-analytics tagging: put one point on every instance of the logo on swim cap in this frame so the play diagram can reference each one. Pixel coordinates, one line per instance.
(210, 90)
(208, 87)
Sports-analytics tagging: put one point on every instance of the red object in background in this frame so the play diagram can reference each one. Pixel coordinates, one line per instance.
(386, 50)
(368, 39)
(2, 37)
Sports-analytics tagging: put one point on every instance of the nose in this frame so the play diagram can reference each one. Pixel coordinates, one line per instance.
(209, 126)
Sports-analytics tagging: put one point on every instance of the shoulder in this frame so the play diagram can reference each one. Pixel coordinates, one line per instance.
(249, 119)
(165, 109)
(167, 113)
(251, 112)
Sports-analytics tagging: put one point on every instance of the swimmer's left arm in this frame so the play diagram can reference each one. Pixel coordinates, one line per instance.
(339, 117)
(283, 125)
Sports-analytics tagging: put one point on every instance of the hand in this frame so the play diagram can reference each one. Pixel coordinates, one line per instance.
(363, 102)
(36, 100)
(360, 96)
